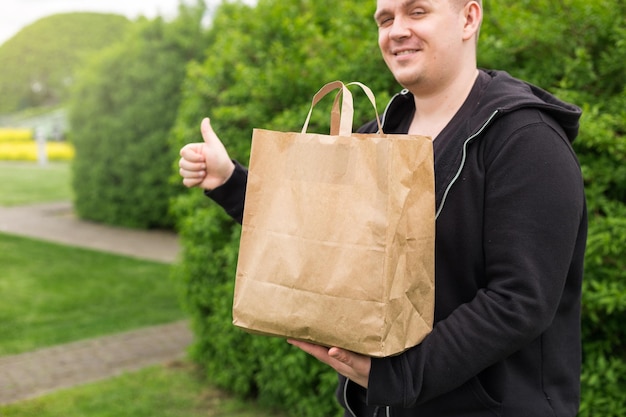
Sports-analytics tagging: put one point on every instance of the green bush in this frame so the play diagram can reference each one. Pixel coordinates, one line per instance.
(264, 64)
(121, 114)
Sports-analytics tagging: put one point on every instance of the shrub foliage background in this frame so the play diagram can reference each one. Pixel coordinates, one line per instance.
(121, 111)
(264, 64)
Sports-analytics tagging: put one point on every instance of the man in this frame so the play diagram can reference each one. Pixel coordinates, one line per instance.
(510, 231)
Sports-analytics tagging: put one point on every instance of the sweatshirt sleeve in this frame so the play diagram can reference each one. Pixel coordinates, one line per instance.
(232, 194)
(531, 220)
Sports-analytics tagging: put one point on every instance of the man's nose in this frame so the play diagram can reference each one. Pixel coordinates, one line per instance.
(400, 28)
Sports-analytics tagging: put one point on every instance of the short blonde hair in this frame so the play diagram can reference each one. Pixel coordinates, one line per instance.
(461, 3)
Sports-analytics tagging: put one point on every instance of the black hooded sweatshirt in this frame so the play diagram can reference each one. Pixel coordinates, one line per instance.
(510, 238)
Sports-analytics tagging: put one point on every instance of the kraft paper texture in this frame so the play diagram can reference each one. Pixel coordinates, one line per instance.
(337, 244)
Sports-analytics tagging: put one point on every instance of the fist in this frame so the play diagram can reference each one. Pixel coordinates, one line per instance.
(205, 164)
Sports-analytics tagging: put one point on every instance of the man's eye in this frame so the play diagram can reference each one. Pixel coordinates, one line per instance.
(385, 22)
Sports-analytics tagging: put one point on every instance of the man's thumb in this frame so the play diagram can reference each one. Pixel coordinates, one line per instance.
(208, 134)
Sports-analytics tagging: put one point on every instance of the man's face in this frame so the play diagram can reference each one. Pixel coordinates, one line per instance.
(420, 41)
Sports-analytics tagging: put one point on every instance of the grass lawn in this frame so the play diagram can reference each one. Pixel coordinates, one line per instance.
(52, 294)
(176, 390)
(28, 183)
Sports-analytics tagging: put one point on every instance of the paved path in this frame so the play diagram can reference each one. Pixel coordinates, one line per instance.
(35, 373)
(56, 222)
(31, 374)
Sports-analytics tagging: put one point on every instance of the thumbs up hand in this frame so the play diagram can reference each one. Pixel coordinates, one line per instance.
(205, 164)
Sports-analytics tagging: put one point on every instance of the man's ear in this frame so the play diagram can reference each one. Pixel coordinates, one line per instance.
(473, 13)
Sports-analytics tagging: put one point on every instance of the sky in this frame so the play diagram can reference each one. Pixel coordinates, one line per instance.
(16, 14)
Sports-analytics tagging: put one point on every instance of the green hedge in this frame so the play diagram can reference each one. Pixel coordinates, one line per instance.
(264, 64)
(121, 113)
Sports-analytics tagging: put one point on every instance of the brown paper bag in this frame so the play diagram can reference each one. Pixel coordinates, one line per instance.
(337, 244)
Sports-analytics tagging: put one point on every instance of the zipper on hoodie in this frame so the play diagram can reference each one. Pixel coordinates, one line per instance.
(465, 144)
(463, 158)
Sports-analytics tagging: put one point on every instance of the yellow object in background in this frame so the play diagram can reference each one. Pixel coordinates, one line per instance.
(27, 151)
(11, 135)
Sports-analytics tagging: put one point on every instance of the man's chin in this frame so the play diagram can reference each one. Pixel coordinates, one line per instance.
(408, 82)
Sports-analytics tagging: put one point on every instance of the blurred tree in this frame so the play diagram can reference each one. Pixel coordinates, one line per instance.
(38, 64)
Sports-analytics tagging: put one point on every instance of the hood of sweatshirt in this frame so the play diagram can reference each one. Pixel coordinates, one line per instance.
(503, 94)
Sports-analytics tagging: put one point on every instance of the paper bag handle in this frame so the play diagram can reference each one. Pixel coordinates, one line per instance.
(346, 114)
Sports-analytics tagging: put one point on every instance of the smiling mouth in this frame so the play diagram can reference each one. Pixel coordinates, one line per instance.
(407, 52)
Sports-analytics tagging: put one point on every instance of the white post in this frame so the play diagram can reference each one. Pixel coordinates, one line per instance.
(42, 154)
